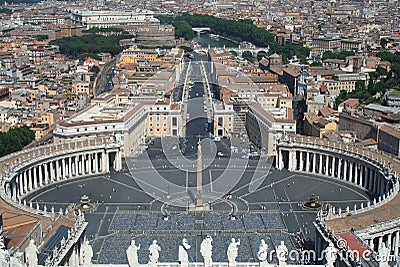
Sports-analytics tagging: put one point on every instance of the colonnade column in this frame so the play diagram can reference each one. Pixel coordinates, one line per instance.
(344, 169)
(301, 161)
(90, 163)
(30, 180)
(320, 164)
(356, 176)
(63, 169)
(35, 177)
(21, 184)
(46, 173)
(307, 161)
(119, 162)
(389, 242)
(57, 170)
(314, 163)
(362, 176)
(51, 171)
(40, 175)
(70, 167)
(396, 243)
(370, 180)
(76, 165)
(333, 166)
(351, 171)
(291, 164)
(326, 165)
(105, 168)
(380, 240)
(25, 182)
(96, 162)
(339, 168)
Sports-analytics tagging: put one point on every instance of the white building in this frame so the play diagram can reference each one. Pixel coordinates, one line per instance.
(107, 19)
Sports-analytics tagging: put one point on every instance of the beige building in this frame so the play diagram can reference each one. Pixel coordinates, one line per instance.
(130, 120)
(318, 125)
(264, 129)
(224, 117)
(81, 88)
(164, 120)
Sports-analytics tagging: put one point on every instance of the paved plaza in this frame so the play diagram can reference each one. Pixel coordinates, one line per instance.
(124, 211)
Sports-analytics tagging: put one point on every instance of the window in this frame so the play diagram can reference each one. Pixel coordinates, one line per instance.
(174, 121)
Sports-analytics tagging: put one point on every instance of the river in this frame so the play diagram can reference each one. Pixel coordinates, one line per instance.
(205, 40)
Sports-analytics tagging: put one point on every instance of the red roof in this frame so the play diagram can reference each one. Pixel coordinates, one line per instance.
(323, 89)
(354, 244)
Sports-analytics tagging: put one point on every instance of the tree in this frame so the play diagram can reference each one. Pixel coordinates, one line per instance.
(95, 69)
(41, 37)
(316, 63)
(15, 139)
(238, 30)
(5, 11)
(183, 29)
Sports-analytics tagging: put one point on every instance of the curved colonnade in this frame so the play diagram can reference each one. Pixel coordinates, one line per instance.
(372, 170)
(29, 170)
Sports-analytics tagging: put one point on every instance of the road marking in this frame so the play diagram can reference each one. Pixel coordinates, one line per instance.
(130, 175)
(211, 181)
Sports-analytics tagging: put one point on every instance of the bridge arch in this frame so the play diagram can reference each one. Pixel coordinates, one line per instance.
(199, 31)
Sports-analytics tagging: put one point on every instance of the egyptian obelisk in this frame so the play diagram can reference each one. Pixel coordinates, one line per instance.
(199, 199)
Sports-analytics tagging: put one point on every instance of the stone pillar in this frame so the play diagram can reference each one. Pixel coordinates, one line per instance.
(308, 161)
(51, 171)
(389, 242)
(107, 161)
(314, 170)
(119, 160)
(301, 161)
(35, 177)
(345, 170)
(320, 164)
(362, 175)
(105, 167)
(25, 182)
(69, 166)
(14, 189)
(380, 240)
(96, 162)
(30, 179)
(396, 243)
(76, 165)
(57, 172)
(291, 163)
(333, 171)
(356, 176)
(90, 163)
(21, 184)
(63, 169)
(378, 184)
(351, 172)
(40, 175)
(281, 164)
(46, 172)
(371, 243)
(327, 165)
(339, 168)
(371, 180)
(80, 164)
(85, 163)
